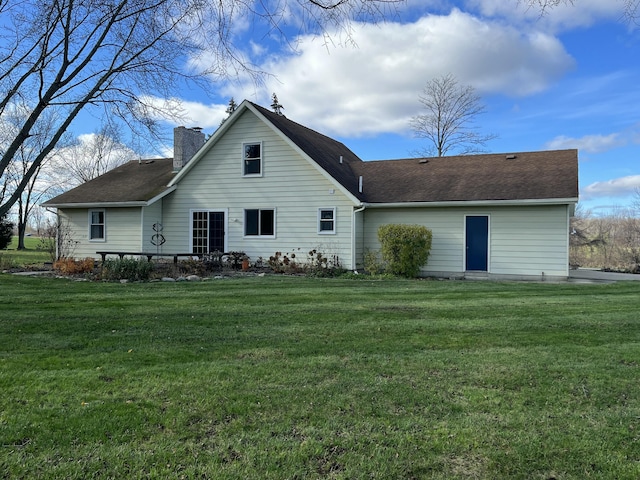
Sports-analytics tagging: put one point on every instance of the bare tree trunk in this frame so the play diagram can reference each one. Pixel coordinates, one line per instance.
(67, 56)
(22, 229)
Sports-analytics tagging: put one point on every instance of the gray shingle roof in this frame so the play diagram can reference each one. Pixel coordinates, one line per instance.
(135, 181)
(527, 176)
(544, 175)
(323, 150)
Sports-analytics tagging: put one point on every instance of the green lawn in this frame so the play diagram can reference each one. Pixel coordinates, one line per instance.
(299, 378)
(32, 255)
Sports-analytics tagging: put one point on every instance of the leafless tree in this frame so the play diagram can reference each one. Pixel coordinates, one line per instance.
(74, 55)
(35, 190)
(611, 241)
(584, 237)
(546, 5)
(635, 202)
(88, 157)
(629, 9)
(448, 122)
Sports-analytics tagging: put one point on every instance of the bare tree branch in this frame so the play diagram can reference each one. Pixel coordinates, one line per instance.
(448, 121)
(72, 55)
(628, 8)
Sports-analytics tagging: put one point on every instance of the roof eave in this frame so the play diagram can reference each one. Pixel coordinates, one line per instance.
(345, 191)
(129, 204)
(96, 205)
(475, 203)
(161, 195)
(219, 133)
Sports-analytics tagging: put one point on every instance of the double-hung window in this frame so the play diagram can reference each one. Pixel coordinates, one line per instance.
(97, 225)
(260, 222)
(252, 159)
(327, 221)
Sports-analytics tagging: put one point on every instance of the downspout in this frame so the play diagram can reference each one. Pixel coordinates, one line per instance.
(162, 219)
(570, 213)
(354, 236)
(142, 232)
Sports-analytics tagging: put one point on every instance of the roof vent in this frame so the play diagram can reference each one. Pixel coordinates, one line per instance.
(511, 157)
(423, 160)
(340, 159)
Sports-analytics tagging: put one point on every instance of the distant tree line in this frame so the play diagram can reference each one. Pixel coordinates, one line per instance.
(610, 242)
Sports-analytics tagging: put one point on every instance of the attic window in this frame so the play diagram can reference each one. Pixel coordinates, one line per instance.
(252, 159)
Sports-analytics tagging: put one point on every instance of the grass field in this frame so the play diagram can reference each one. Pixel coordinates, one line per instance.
(299, 378)
(32, 255)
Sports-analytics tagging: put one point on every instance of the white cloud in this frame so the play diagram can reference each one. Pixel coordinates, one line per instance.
(567, 15)
(205, 116)
(182, 112)
(588, 143)
(373, 88)
(617, 187)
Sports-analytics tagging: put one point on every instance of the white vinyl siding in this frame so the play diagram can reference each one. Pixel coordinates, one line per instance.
(289, 185)
(123, 231)
(530, 243)
(152, 216)
(446, 225)
(524, 241)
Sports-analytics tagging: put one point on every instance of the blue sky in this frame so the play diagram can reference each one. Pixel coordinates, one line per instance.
(567, 79)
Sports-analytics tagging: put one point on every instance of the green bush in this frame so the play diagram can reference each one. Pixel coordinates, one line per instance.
(372, 263)
(6, 262)
(131, 269)
(405, 248)
(6, 232)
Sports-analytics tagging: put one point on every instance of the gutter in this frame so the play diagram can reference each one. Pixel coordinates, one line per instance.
(474, 203)
(57, 239)
(135, 203)
(96, 205)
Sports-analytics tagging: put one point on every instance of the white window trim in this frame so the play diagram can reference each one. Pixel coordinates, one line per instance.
(244, 226)
(326, 232)
(104, 225)
(252, 175)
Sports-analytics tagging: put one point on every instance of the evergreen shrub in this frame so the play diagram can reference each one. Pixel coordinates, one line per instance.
(405, 248)
(6, 232)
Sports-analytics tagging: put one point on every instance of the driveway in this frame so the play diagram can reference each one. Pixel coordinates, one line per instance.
(585, 274)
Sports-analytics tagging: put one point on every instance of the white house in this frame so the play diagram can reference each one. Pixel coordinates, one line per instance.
(264, 184)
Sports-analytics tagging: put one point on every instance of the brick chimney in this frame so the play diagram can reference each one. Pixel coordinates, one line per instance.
(186, 142)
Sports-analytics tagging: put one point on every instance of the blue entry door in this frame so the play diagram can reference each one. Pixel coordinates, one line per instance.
(477, 243)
